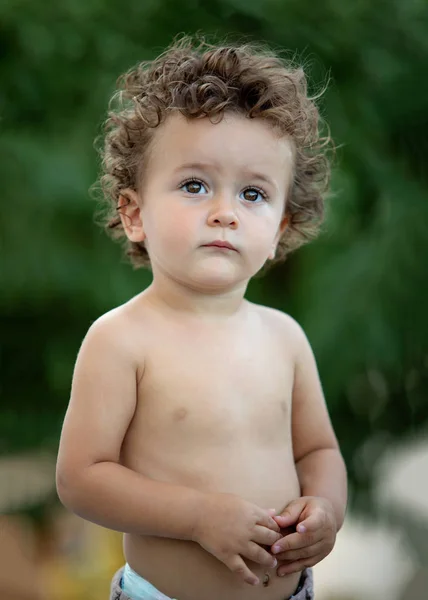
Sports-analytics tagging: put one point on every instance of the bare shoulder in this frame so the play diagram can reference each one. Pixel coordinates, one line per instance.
(118, 329)
(282, 324)
(116, 318)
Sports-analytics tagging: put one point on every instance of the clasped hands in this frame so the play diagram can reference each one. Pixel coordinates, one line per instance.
(309, 528)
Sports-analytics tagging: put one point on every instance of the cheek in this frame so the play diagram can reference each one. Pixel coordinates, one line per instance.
(169, 230)
(264, 234)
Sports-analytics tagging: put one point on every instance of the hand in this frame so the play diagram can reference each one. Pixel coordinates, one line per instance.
(231, 528)
(314, 537)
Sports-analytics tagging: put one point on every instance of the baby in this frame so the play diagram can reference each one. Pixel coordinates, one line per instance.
(197, 424)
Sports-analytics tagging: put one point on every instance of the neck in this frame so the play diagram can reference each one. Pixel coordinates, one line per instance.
(191, 301)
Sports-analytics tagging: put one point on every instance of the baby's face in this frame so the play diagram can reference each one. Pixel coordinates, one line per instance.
(207, 183)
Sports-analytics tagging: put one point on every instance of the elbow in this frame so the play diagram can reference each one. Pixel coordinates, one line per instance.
(75, 488)
(68, 490)
(62, 488)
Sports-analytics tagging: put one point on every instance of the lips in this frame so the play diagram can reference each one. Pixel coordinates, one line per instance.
(220, 244)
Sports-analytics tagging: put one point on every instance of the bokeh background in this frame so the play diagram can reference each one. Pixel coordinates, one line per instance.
(360, 290)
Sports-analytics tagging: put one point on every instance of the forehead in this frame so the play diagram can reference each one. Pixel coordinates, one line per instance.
(235, 143)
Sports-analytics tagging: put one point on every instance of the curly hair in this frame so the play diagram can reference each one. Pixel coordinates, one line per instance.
(199, 79)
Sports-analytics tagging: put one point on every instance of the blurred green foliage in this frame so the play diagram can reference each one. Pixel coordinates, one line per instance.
(359, 291)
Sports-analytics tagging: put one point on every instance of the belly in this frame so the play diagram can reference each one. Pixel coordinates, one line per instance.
(265, 476)
(183, 570)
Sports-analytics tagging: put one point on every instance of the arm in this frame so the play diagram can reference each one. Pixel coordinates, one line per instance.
(90, 481)
(322, 473)
(318, 514)
(118, 498)
(319, 463)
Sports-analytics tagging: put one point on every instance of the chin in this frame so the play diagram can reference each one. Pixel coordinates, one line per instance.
(216, 280)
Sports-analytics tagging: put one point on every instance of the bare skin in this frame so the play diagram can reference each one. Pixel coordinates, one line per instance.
(215, 417)
(212, 413)
(193, 412)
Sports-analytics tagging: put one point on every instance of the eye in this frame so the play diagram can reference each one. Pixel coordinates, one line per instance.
(254, 195)
(193, 186)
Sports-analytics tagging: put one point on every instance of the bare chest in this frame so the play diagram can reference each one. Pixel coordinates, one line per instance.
(216, 394)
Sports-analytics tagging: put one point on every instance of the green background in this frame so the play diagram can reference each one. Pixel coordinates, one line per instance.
(360, 290)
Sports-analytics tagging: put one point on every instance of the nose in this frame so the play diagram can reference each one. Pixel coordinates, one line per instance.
(222, 213)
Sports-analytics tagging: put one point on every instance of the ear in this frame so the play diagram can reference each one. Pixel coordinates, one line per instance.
(282, 227)
(129, 211)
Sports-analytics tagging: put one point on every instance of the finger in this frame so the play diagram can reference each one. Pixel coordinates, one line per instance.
(258, 555)
(296, 566)
(238, 566)
(306, 552)
(291, 513)
(265, 536)
(312, 523)
(268, 522)
(294, 541)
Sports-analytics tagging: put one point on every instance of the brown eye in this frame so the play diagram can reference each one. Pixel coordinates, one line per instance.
(252, 195)
(193, 186)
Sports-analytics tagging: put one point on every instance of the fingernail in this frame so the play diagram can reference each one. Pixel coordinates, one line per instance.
(276, 549)
(281, 574)
(275, 562)
(301, 528)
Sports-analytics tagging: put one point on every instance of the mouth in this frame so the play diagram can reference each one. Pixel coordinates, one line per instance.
(220, 244)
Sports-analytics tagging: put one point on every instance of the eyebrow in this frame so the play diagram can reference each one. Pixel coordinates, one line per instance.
(208, 166)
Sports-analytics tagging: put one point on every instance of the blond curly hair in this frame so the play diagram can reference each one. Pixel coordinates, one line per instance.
(199, 79)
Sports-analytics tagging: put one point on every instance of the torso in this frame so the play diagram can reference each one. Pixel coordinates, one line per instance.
(213, 413)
